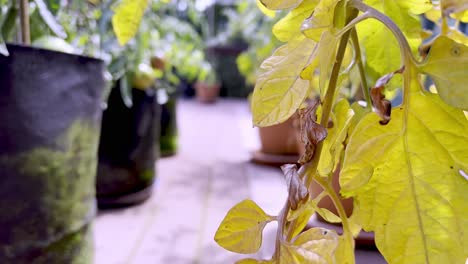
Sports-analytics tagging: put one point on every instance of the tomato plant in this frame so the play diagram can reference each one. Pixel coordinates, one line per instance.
(405, 166)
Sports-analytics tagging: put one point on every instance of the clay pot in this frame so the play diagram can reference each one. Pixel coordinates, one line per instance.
(207, 93)
(279, 139)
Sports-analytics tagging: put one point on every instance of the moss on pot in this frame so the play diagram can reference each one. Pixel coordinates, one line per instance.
(49, 196)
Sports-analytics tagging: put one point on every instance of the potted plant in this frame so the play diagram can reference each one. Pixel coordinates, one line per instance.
(129, 142)
(404, 166)
(51, 111)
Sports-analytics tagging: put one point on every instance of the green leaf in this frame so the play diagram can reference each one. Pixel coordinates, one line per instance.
(280, 4)
(316, 245)
(49, 19)
(321, 20)
(380, 46)
(127, 18)
(447, 65)
(280, 91)
(333, 145)
(241, 229)
(406, 180)
(289, 27)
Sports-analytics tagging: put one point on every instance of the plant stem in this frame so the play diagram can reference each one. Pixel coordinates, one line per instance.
(402, 41)
(328, 102)
(309, 170)
(24, 17)
(362, 73)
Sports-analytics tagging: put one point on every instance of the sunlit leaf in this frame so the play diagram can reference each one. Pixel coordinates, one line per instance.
(241, 229)
(415, 6)
(49, 19)
(280, 4)
(333, 144)
(127, 18)
(405, 177)
(289, 27)
(447, 64)
(380, 46)
(316, 245)
(254, 261)
(267, 12)
(280, 90)
(345, 251)
(321, 20)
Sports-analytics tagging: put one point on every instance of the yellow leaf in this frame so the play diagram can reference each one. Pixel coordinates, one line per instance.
(279, 90)
(321, 20)
(458, 36)
(415, 6)
(333, 144)
(380, 47)
(254, 261)
(406, 180)
(457, 8)
(345, 251)
(241, 229)
(127, 18)
(289, 27)
(316, 245)
(267, 12)
(280, 4)
(447, 64)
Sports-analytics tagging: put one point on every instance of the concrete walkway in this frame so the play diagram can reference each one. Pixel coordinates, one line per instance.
(194, 190)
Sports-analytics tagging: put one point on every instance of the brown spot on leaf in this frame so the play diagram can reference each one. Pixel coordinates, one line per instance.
(297, 191)
(382, 106)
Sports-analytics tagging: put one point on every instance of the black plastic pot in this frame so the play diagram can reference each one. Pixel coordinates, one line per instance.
(169, 132)
(49, 127)
(128, 149)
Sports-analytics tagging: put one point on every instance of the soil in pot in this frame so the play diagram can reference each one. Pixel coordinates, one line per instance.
(128, 149)
(49, 129)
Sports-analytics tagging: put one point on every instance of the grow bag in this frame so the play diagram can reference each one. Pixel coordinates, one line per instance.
(49, 127)
(168, 140)
(128, 149)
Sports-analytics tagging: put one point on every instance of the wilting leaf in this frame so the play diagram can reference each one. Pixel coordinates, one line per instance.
(241, 229)
(311, 132)
(297, 191)
(280, 4)
(280, 90)
(321, 20)
(383, 107)
(316, 245)
(405, 179)
(127, 18)
(289, 26)
(49, 19)
(447, 64)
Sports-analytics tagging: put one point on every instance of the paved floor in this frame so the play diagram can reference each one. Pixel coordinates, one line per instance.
(194, 191)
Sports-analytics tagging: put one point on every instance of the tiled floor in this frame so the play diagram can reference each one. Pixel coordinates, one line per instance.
(194, 191)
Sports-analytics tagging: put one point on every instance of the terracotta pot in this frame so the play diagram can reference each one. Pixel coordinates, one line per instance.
(279, 139)
(207, 93)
